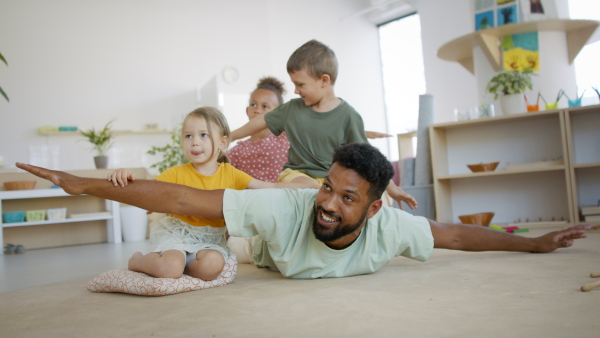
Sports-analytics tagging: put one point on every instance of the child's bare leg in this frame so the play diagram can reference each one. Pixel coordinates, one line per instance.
(207, 266)
(309, 182)
(168, 265)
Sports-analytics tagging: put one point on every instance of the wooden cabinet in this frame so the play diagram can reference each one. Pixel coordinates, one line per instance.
(558, 153)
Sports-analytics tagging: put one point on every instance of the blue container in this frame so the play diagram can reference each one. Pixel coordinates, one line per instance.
(13, 217)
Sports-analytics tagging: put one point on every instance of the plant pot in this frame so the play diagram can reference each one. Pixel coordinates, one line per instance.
(101, 161)
(512, 104)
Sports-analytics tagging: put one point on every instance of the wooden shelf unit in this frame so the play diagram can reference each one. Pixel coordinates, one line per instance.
(461, 49)
(553, 192)
(115, 132)
(113, 220)
(583, 136)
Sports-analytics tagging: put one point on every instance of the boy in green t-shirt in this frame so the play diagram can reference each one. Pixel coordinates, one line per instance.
(316, 123)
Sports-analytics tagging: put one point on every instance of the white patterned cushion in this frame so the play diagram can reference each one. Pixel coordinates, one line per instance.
(138, 283)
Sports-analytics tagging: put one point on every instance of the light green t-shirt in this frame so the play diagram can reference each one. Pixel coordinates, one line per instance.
(282, 218)
(314, 136)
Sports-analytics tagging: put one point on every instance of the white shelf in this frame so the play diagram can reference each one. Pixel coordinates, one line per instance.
(461, 49)
(115, 132)
(113, 218)
(58, 221)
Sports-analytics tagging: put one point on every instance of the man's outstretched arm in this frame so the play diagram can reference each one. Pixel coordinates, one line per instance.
(146, 194)
(477, 238)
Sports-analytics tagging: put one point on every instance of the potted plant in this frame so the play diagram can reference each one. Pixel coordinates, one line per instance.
(172, 153)
(509, 85)
(101, 141)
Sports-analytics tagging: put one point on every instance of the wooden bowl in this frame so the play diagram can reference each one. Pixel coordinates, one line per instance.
(482, 218)
(19, 185)
(483, 166)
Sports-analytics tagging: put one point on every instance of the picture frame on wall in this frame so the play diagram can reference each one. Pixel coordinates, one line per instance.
(484, 20)
(533, 10)
(507, 13)
(493, 13)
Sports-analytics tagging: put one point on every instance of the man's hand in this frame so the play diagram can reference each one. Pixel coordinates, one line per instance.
(68, 182)
(558, 239)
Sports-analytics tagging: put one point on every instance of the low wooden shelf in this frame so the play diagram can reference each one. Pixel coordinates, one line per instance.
(554, 191)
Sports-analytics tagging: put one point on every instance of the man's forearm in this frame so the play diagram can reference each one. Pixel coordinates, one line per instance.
(161, 197)
(477, 238)
(150, 195)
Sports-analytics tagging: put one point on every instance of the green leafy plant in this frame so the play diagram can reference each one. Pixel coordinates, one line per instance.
(172, 153)
(101, 140)
(2, 91)
(509, 82)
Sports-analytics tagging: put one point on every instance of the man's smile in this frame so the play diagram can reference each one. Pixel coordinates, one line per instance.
(327, 218)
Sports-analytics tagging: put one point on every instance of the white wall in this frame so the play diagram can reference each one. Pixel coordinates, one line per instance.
(140, 61)
(85, 63)
(450, 83)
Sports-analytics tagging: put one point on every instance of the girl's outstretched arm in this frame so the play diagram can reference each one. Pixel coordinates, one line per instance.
(251, 127)
(146, 194)
(258, 184)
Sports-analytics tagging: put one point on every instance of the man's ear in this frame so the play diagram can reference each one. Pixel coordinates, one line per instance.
(374, 208)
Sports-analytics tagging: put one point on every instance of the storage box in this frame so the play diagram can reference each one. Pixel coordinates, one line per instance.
(13, 217)
(35, 215)
(56, 214)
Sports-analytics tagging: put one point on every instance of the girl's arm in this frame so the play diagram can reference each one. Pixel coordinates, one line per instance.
(258, 184)
(120, 177)
(252, 127)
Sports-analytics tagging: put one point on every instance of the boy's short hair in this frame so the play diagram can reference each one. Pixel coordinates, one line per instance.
(369, 163)
(316, 58)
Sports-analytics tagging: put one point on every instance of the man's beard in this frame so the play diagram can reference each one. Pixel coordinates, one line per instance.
(327, 234)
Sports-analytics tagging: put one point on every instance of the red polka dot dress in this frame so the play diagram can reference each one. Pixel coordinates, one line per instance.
(262, 160)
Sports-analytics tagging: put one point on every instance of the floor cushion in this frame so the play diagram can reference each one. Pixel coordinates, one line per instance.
(138, 283)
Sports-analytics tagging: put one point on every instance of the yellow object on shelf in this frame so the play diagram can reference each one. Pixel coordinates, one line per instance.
(35, 215)
(47, 129)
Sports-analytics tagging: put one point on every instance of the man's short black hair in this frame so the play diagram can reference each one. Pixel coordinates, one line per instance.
(369, 163)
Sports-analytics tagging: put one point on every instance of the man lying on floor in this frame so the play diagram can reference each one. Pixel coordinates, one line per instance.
(337, 231)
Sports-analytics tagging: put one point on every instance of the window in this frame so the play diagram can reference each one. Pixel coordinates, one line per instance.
(587, 59)
(403, 75)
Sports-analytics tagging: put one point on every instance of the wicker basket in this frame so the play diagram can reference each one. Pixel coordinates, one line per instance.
(19, 185)
(13, 217)
(35, 215)
(56, 214)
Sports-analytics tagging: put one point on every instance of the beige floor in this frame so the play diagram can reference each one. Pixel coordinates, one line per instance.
(454, 294)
